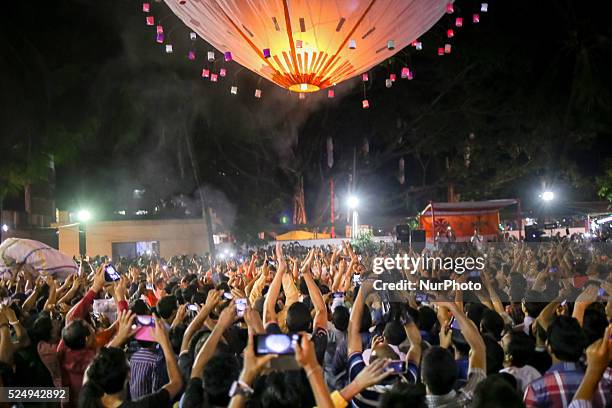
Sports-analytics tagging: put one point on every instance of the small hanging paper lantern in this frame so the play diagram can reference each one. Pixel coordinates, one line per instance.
(390, 45)
(193, 36)
(191, 56)
(450, 9)
(205, 73)
(159, 37)
(146, 7)
(302, 95)
(476, 18)
(484, 7)
(459, 22)
(298, 44)
(159, 29)
(222, 72)
(365, 77)
(440, 51)
(234, 90)
(150, 20)
(213, 77)
(352, 44)
(405, 72)
(447, 48)
(365, 104)
(419, 46)
(450, 33)
(392, 77)
(228, 56)
(169, 49)
(266, 53)
(211, 56)
(330, 93)
(258, 93)
(388, 83)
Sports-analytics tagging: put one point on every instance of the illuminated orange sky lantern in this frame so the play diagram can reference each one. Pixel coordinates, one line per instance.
(307, 45)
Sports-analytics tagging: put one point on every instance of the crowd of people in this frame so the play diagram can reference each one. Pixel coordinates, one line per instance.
(290, 326)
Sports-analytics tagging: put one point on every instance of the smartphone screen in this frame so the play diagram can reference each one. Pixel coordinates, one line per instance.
(396, 366)
(241, 305)
(552, 270)
(228, 296)
(193, 308)
(111, 274)
(338, 295)
(144, 320)
(454, 324)
(282, 344)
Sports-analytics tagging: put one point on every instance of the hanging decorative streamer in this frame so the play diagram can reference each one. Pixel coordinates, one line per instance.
(211, 56)
(450, 33)
(234, 90)
(330, 152)
(228, 56)
(476, 18)
(159, 37)
(330, 93)
(365, 104)
(193, 36)
(169, 49)
(146, 7)
(388, 83)
(405, 72)
(440, 51)
(365, 77)
(222, 72)
(213, 77)
(258, 93)
(447, 48)
(205, 73)
(450, 9)
(401, 174)
(150, 20)
(392, 77)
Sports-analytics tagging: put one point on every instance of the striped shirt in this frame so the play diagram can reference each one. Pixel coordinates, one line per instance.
(147, 372)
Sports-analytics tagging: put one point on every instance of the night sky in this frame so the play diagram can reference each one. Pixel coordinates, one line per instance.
(87, 82)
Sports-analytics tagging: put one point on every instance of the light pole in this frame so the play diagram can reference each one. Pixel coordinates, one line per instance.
(353, 202)
(83, 216)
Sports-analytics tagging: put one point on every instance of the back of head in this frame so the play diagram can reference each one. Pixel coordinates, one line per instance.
(107, 374)
(520, 348)
(566, 338)
(75, 334)
(383, 351)
(220, 371)
(594, 324)
(298, 318)
(139, 307)
(285, 389)
(340, 318)
(492, 323)
(166, 306)
(427, 318)
(495, 355)
(41, 328)
(438, 370)
(394, 333)
(496, 392)
(404, 395)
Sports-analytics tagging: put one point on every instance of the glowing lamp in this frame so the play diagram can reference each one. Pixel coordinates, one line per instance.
(405, 72)
(440, 51)
(392, 77)
(352, 202)
(314, 41)
(548, 196)
(234, 90)
(227, 56)
(193, 36)
(365, 77)
(365, 104)
(450, 9)
(146, 7)
(169, 49)
(484, 7)
(150, 20)
(205, 73)
(210, 56)
(266, 53)
(191, 55)
(459, 22)
(450, 33)
(159, 37)
(330, 93)
(213, 77)
(447, 48)
(84, 215)
(222, 72)
(388, 83)
(476, 18)
(258, 93)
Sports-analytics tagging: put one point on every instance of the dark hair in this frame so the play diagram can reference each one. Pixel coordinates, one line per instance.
(298, 318)
(427, 318)
(41, 328)
(285, 389)
(495, 392)
(166, 306)
(494, 354)
(394, 333)
(438, 370)
(366, 319)
(533, 306)
(176, 337)
(219, 374)
(105, 375)
(520, 348)
(404, 395)
(566, 338)
(199, 298)
(475, 311)
(139, 307)
(492, 323)
(75, 334)
(594, 324)
(340, 318)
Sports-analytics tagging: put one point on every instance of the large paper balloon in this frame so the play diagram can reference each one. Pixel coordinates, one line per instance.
(307, 45)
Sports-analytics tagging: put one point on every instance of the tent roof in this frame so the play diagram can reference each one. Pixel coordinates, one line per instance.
(470, 206)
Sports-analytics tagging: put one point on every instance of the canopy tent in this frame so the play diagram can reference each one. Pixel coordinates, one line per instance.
(464, 217)
(298, 235)
(16, 253)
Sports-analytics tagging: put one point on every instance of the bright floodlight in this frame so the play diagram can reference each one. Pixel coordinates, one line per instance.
(352, 202)
(5, 227)
(84, 215)
(548, 196)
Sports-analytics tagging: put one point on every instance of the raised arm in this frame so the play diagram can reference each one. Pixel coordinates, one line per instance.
(212, 300)
(414, 335)
(175, 380)
(320, 319)
(472, 336)
(354, 338)
(306, 358)
(269, 314)
(208, 349)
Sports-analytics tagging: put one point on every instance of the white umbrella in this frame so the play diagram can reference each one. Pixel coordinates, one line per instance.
(41, 258)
